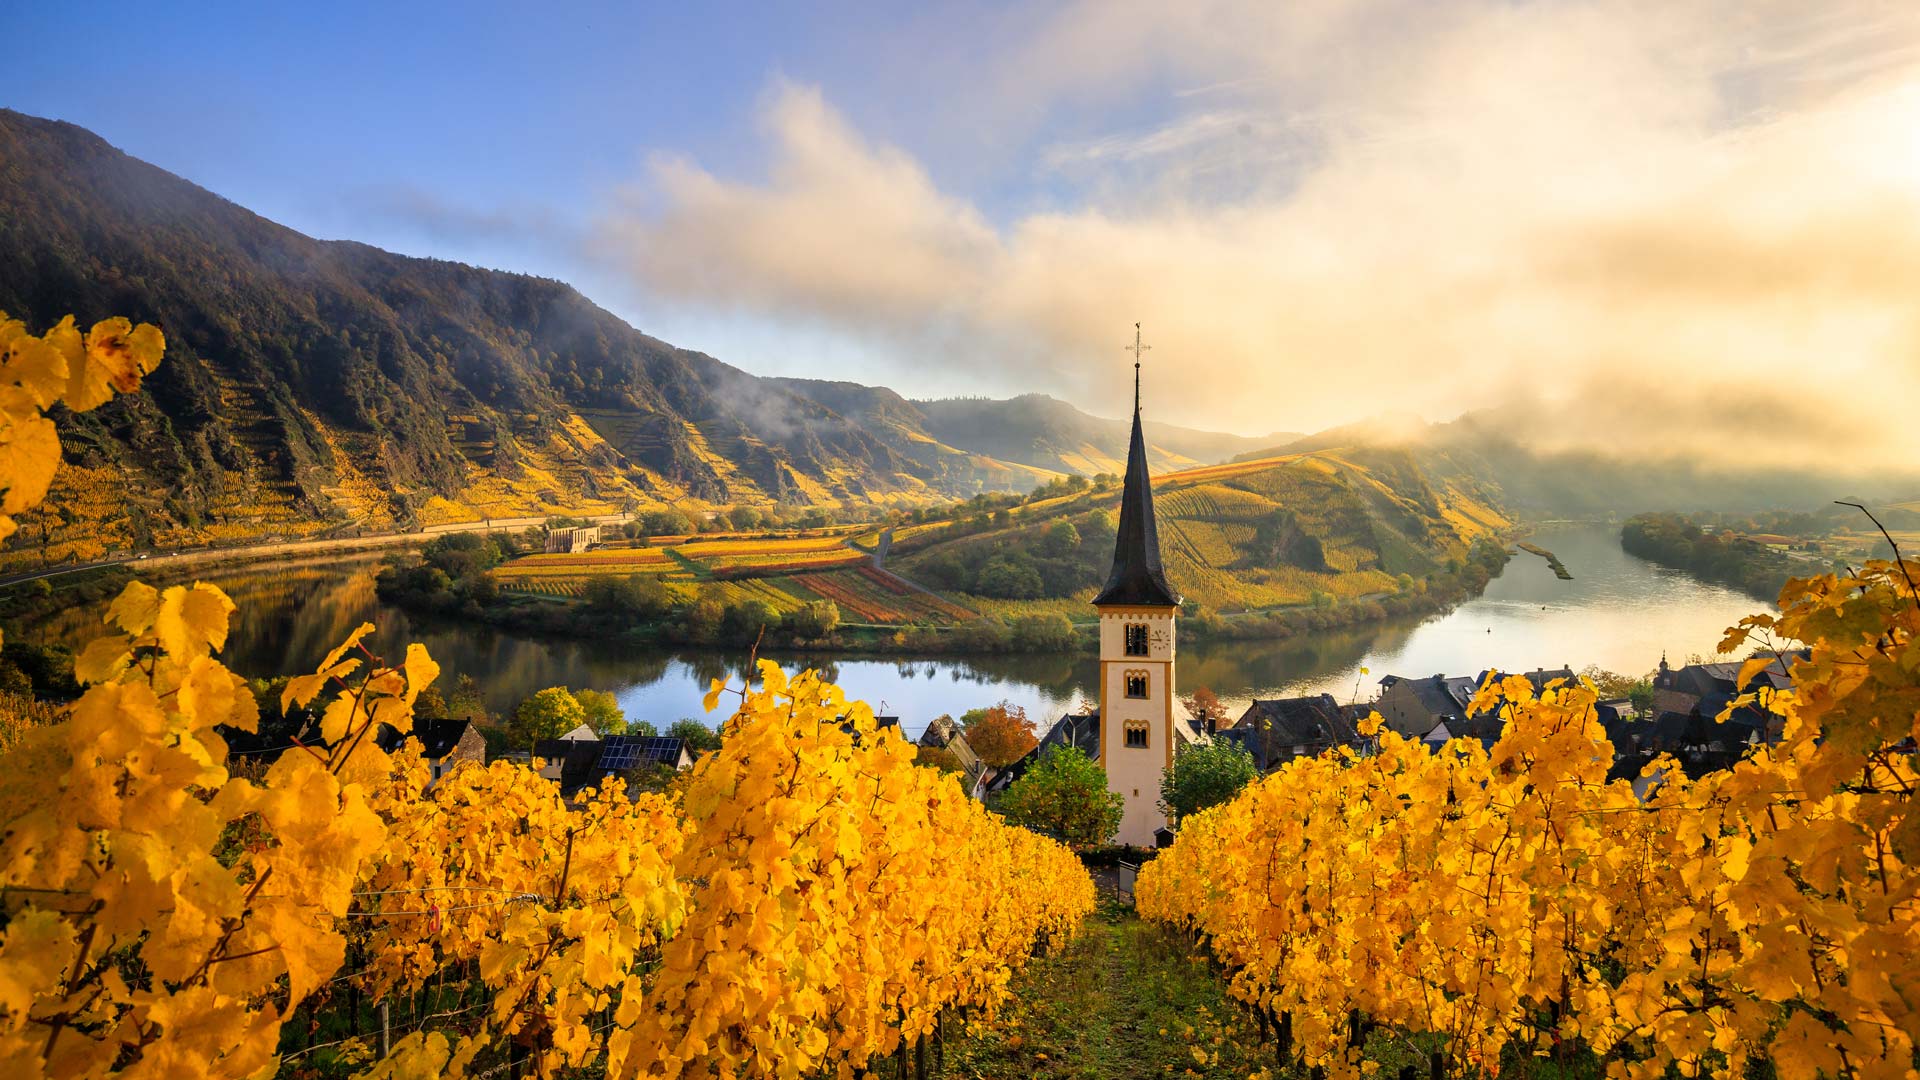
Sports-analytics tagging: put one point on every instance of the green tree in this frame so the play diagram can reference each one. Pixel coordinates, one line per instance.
(1052, 632)
(699, 737)
(603, 713)
(746, 620)
(816, 619)
(1205, 775)
(665, 523)
(461, 555)
(1612, 684)
(430, 705)
(703, 618)
(1009, 577)
(466, 702)
(635, 596)
(1065, 795)
(548, 714)
(1061, 538)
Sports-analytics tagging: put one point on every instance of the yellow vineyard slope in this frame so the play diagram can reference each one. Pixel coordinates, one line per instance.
(816, 903)
(1513, 901)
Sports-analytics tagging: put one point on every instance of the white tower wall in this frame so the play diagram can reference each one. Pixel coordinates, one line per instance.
(1134, 771)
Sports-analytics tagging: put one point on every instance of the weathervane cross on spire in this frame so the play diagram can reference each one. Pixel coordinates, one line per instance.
(1136, 349)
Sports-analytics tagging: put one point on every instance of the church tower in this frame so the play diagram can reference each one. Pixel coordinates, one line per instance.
(1137, 612)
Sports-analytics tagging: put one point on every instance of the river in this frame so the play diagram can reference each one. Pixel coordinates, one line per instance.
(1619, 612)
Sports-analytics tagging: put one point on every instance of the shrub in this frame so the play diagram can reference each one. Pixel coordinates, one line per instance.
(1205, 775)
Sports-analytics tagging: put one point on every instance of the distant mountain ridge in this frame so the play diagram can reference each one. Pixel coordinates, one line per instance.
(1045, 432)
(1042, 433)
(317, 384)
(1583, 483)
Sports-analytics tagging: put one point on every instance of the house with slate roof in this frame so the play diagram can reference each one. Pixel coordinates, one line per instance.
(1434, 709)
(443, 743)
(944, 734)
(1414, 707)
(1277, 730)
(583, 763)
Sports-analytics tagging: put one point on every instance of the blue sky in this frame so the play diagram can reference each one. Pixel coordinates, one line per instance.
(494, 132)
(1322, 211)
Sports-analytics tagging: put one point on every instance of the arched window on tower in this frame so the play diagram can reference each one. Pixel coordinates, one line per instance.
(1136, 683)
(1136, 639)
(1137, 734)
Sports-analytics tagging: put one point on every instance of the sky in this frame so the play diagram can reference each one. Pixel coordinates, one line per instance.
(1666, 228)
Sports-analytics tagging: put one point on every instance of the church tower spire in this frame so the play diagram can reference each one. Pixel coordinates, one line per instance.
(1137, 577)
(1138, 610)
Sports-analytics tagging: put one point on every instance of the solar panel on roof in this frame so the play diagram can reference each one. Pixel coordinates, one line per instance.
(619, 753)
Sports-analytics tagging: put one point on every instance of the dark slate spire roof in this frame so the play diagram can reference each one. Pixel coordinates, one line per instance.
(1137, 577)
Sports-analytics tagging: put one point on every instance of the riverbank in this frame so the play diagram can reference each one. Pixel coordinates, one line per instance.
(1722, 556)
(453, 582)
(1621, 613)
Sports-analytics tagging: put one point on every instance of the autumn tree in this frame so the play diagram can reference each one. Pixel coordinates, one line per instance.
(1001, 735)
(1612, 684)
(548, 714)
(1206, 709)
(1064, 794)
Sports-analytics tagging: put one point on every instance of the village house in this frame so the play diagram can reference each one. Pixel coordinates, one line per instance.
(1277, 730)
(579, 764)
(1687, 703)
(1414, 707)
(1434, 709)
(444, 744)
(1707, 690)
(944, 734)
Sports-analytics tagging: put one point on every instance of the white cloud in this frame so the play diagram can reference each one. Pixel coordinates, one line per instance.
(1435, 209)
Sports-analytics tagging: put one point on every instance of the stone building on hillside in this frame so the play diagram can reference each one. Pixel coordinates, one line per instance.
(572, 539)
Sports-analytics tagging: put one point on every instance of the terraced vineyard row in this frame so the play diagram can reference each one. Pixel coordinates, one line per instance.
(870, 595)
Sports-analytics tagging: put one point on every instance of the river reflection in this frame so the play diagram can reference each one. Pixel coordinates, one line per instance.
(1618, 612)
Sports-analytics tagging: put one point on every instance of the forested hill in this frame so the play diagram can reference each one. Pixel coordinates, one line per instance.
(323, 384)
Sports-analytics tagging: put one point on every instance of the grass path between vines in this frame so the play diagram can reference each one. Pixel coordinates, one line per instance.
(1123, 1001)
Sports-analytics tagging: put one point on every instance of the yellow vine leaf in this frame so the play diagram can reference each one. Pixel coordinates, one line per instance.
(192, 620)
(117, 355)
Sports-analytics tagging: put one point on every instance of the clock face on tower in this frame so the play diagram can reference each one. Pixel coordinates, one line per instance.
(1159, 636)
